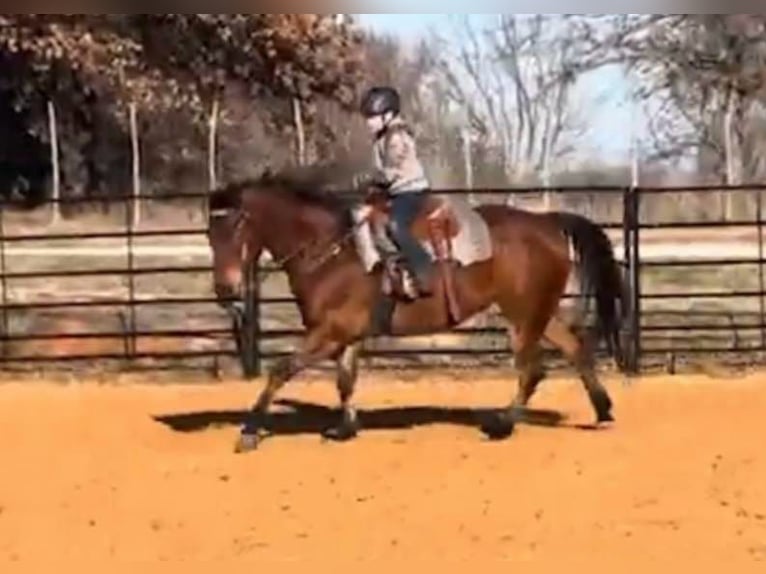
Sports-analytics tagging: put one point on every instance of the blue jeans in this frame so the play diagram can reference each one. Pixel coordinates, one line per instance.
(404, 209)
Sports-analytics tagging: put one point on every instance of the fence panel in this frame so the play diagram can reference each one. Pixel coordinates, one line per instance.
(93, 287)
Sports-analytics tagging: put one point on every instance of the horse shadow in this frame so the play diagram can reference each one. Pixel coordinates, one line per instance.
(302, 418)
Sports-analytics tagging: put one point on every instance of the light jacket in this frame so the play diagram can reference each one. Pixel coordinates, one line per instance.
(395, 157)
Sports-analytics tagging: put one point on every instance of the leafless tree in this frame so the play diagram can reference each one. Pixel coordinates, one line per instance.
(514, 78)
(702, 77)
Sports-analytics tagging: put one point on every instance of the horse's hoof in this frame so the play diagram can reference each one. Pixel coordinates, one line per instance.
(343, 433)
(605, 419)
(246, 443)
(603, 407)
(499, 428)
(604, 413)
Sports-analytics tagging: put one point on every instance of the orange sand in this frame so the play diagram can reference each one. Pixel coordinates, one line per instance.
(91, 482)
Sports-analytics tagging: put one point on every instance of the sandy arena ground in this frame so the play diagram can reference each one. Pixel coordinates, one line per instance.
(112, 478)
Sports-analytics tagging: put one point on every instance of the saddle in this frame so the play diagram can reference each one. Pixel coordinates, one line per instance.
(435, 214)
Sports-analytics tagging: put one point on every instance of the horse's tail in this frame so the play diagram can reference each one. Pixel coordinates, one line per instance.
(601, 277)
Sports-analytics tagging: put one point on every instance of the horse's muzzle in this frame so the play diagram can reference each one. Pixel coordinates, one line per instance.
(230, 300)
(235, 307)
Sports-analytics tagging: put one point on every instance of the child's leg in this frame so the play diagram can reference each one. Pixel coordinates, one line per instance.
(404, 209)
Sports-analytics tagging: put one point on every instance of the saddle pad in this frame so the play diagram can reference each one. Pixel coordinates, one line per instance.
(473, 243)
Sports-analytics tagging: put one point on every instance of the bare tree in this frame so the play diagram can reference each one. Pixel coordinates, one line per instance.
(701, 75)
(701, 78)
(515, 78)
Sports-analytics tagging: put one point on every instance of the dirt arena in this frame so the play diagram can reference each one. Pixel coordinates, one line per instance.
(129, 477)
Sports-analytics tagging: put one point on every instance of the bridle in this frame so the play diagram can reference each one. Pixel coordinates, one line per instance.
(329, 249)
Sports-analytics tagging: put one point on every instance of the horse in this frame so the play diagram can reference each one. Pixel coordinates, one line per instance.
(308, 232)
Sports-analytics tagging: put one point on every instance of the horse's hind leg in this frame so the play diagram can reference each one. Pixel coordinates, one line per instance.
(528, 361)
(526, 351)
(347, 366)
(578, 353)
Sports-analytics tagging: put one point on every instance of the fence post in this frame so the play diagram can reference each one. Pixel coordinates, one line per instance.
(131, 338)
(6, 328)
(761, 302)
(136, 155)
(249, 336)
(631, 239)
(212, 153)
(132, 219)
(55, 165)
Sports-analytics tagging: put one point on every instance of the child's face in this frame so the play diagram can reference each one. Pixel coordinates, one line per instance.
(375, 124)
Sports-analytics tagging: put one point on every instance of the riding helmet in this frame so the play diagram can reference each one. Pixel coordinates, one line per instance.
(379, 100)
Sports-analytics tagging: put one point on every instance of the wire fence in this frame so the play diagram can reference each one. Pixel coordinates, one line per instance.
(94, 290)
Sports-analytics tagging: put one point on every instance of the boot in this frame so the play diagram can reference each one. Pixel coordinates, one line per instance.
(414, 285)
(410, 285)
(423, 283)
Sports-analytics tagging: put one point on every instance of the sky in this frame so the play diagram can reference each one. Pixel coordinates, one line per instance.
(605, 94)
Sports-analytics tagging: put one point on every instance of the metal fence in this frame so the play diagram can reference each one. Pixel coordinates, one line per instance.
(97, 288)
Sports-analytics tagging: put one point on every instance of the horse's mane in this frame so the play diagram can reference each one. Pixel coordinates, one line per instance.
(315, 184)
(228, 196)
(318, 185)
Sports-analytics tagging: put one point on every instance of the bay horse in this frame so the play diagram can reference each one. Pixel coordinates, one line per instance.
(307, 230)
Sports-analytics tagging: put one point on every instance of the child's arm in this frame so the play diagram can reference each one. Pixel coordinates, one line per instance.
(399, 148)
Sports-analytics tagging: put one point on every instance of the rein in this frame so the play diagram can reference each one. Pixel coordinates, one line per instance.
(330, 249)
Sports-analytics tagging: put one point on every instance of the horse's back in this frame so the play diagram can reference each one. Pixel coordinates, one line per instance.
(505, 219)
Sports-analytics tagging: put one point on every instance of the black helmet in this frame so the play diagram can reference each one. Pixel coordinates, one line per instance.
(380, 100)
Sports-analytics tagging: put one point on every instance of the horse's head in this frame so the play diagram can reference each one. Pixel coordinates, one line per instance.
(285, 214)
(234, 240)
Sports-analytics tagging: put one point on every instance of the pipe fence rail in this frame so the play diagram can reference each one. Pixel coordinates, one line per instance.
(143, 296)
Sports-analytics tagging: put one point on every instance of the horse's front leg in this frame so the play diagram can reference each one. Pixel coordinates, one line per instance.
(317, 347)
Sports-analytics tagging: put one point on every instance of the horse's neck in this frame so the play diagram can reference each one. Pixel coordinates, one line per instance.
(285, 244)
